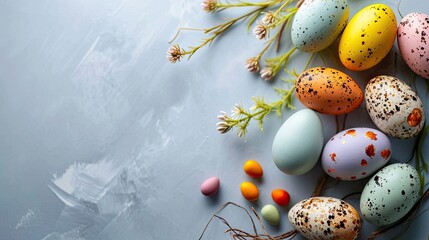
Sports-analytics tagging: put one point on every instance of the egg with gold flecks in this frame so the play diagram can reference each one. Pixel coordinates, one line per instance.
(355, 153)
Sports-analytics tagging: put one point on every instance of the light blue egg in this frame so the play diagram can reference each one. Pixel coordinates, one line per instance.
(390, 194)
(318, 23)
(298, 143)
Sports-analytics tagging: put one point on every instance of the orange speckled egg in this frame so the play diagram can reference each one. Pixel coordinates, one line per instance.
(249, 191)
(328, 91)
(253, 169)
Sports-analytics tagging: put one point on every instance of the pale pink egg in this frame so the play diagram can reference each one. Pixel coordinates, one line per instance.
(210, 186)
(413, 42)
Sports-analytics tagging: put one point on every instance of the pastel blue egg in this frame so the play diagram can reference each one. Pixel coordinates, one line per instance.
(318, 23)
(298, 143)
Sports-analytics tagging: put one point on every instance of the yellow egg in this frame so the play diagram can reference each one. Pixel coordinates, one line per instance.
(253, 169)
(368, 37)
(249, 191)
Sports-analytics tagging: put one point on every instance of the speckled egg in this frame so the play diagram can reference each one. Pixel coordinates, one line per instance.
(413, 42)
(390, 194)
(394, 107)
(321, 218)
(355, 153)
(368, 37)
(298, 143)
(318, 23)
(328, 91)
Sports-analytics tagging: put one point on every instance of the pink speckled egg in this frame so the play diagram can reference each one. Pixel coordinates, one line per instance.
(355, 153)
(413, 42)
(210, 186)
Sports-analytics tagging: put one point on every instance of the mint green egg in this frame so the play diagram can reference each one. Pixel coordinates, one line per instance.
(270, 214)
(390, 194)
(298, 143)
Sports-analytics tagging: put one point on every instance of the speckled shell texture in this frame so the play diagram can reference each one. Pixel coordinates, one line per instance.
(355, 153)
(390, 194)
(318, 23)
(413, 42)
(328, 91)
(394, 107)
(368, 37)
(321, 218)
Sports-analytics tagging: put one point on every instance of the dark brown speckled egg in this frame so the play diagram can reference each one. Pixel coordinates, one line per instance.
(321, 218)
(394, 107)
(328, 91)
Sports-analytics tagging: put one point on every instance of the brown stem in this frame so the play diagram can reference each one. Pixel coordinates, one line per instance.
(279, 37)
(344, 121)
(299, 3)
(319, 188)
(337, 124)
(408, 218)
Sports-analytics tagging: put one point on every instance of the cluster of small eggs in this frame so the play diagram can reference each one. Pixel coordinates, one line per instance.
(251, 192)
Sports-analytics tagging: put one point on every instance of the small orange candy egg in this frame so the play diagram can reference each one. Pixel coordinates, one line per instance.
(281, 197)
(249, 191)
(253, 169)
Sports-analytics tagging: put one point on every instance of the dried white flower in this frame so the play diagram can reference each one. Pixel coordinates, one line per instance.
(268, 18)
(223, 127)
(252, 64)
(174, 53)
(267, 73)
(236, 112)
(260, 31)
(241, 132)
(209, 5)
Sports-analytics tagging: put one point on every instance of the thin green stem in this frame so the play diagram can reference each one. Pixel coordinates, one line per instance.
(421, 164)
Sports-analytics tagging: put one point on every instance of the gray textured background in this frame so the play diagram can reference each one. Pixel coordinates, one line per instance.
(102, 138)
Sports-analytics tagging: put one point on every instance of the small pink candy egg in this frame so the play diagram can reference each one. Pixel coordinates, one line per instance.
(210, 186)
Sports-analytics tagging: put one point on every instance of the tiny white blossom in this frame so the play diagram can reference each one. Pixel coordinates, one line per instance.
(252, 64)
(260, 31)
(174, 53)
(209, 5)
(267, 73)
(268, 18)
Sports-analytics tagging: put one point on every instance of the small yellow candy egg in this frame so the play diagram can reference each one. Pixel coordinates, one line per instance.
(249, 191)
(253, 169)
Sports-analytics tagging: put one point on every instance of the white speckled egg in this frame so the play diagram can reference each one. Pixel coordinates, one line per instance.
(321, 218)
(394, 107)
(298, 143)
(413, 42)
(318, 23)
(390, 194)
(355, 153)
